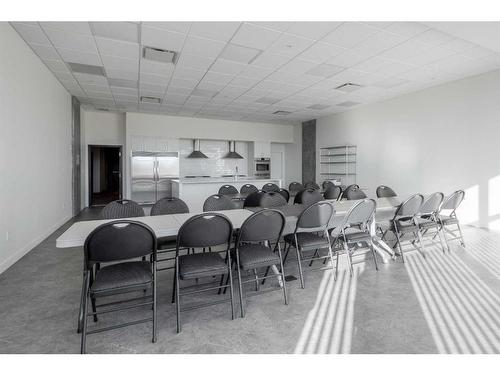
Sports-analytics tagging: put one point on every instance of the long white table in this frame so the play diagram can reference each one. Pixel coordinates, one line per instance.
(169, 225)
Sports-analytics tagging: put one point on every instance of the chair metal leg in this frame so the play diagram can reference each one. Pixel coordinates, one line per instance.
(312, 260)
(286, 252)
(336, 267)
(154, 305)
(256, 280)
(85, 308)
(349, 259)
(240, 287)
(231, 291)
(398, 241)
(438, 233)
(175, 284)
(299, 262)
(461, 237)
(421, 242)
(80, 311)
(282, 269)
(94, 310)
(177, 297)
(374, 254)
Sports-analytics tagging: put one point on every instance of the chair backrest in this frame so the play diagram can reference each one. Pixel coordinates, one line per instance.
(122, 209)
(326, 184)
(385, 192)
(270, 187)
(227, 189)
(432, 203)
(332, 192)
(308, 196)
(203, 230)
(218, 202)
(248, 188)
(285, 194)
(168, 206)
(360, 214)
(272, 199)
(315, 218)
(350, 187)
(295, 187)
(453, 201)
(265, 225)
(410, 207)
(253, 199)
(119, 240)
(311, 185)
(355, 194)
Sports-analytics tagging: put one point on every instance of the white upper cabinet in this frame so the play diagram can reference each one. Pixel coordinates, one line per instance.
(156, 144)
(262, 149)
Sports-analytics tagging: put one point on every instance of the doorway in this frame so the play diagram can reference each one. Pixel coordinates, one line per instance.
(105, 174)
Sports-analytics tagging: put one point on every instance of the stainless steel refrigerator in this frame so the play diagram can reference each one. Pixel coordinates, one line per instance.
(152, 173)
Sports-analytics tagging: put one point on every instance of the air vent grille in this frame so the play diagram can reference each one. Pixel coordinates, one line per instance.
(281, 113)
(150, 99)
(160, 55)
(348, 87)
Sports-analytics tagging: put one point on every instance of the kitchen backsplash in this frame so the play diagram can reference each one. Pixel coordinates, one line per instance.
(215, 165)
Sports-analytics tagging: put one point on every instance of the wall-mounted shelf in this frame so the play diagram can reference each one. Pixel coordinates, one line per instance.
(339, 163)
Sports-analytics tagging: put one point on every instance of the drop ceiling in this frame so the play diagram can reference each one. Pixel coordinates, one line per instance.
(252, 70)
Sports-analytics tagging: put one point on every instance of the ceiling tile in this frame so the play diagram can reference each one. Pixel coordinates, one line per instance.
(77, 42)
(119, 63)
(408, 29)
(118, 48)
(222, 31)
(233, 52)
(79, 57)
(433, 37)
(244, 82)
(121, 74)
(297, 66)
(194, 62)
(324, 70)
(215, 77)
(203, 47)
(289, 45)
(257, 72)
(31, 34)
(278, 25)
(83, 78)
(71, 27)
(183, 83)
(320, 52)
(190, 74)
(349, 34)
(270, 60)
(56, 65)
(179, 27)
(313, 30)
(159, 38)
(127, 31)
(45, 51)
(227, 67)
(253, 36)
(157, 68)
(154, 78)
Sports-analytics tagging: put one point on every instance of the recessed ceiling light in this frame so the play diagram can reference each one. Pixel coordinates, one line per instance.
(150, 99)
(204, 93)
(122, 83)
(318, 106)
(233, 52)
(160, 55)
(348, 87)
(87, 69)
(348, 104)
(324, 70)
(266, 100)
(281, 113)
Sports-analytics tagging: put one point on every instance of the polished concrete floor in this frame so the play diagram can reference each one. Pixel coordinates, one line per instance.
(446, 303)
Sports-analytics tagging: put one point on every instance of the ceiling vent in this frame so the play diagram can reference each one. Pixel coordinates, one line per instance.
(160, 55)
(87, 69)
(150, 100)
(348, 87)
(196, 154)
(281, 113)
(232, 154)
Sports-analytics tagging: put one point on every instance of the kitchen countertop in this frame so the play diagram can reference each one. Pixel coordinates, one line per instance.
(222, 180)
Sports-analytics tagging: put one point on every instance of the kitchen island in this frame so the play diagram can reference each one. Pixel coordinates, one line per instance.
(194, 191)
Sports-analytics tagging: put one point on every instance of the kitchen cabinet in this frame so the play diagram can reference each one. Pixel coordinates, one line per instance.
(262, 149)
(147, 143)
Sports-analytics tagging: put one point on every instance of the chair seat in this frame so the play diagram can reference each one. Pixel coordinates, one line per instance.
(307, 240)
(166, 243)
(128, 275)
(425, 223)
(201, 265)
(448, 220)
(256, 255)
(356, 236)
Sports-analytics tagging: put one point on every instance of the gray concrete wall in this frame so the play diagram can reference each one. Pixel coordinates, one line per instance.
(308, 151)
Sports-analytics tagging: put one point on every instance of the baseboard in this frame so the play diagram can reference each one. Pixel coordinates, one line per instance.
(10, 261)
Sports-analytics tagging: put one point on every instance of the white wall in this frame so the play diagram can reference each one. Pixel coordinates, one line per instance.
(293, 155)
(440, 139)
(35, 149)
(100, 128)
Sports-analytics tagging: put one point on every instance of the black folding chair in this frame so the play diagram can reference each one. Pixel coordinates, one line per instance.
(201, 231)
(119, 244)
(258, 247)
(308, 196)
(270, 187)
(332, 192)
(311, 234)
(227, 189)
(385, 192)
(121, 209)
(427, 218)
(218, 202)
(447, 217)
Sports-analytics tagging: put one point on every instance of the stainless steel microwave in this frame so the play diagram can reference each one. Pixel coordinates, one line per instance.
(263, 167)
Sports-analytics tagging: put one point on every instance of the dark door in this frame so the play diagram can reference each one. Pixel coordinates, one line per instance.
(75, 148)
(104, 174)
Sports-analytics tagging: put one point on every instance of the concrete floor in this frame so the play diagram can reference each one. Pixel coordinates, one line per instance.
(446, 303)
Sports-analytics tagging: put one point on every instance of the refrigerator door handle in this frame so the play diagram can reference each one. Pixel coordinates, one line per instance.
(156, 170)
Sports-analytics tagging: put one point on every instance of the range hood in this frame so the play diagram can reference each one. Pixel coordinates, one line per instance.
(232, 154)
(197, 154)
